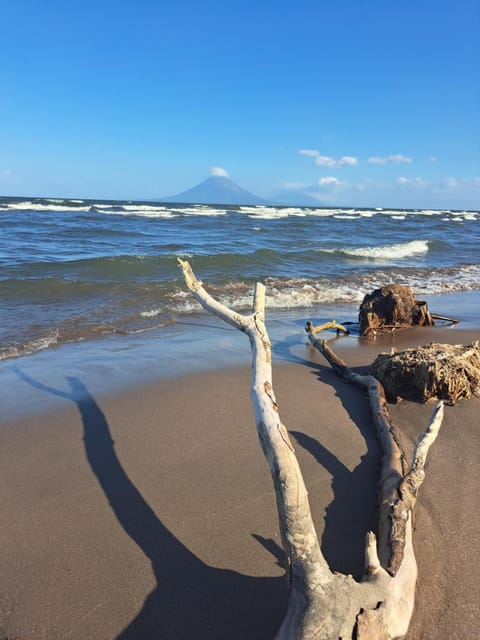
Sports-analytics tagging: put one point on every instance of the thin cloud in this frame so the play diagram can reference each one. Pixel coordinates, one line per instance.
(328, 161)
(344, 161)
(329, 181)
(349, 161)
(411, 192)
(447, 185)
(325, 161)
(310, 153)
(219, 171)
(395, 158)
(412, 182)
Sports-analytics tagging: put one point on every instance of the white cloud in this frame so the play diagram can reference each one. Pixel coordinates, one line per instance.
(329, 181)
(219, 171)
(327, 161)
(412, 182)
(395, 158)
(349, 161)
(399, 158)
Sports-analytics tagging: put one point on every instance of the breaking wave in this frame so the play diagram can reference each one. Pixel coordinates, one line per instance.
(387, 252)
(91, 309)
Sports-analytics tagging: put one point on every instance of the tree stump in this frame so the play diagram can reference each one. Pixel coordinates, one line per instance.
(391, 307)
(443, 371)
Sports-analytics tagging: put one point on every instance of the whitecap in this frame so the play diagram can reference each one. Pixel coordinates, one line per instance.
(152, 313)
(393, 251)
(37, 206)
(200, 210)
(385, 252)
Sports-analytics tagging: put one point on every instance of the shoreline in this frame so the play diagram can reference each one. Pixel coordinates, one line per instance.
(202, 343)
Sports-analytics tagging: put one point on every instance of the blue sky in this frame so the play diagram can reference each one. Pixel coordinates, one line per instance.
(359, 103)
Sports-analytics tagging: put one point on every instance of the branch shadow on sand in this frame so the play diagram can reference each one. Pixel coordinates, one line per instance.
(191, 599)
(353, 510)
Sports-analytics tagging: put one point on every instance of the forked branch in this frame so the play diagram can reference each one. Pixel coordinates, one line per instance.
(323, 605)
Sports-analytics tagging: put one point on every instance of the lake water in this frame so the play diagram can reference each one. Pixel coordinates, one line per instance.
(75, 270)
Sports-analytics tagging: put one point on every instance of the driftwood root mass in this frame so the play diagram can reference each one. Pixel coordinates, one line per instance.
(435, 371)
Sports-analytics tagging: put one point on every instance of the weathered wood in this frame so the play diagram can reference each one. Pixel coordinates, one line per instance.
(332, 324)
(307, 567)
(398, 491)
(393, 466)
(323, 605)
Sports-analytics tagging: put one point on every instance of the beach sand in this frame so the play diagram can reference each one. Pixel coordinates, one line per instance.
(151, 513)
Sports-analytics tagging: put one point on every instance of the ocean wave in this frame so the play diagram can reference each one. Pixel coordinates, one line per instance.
(122, 268)
(283, 291)
(40, 206)
(386, 252)
(69, 311)
(30, 346)
(288, 293)
(304, 261)
(145, 212)
(169, 210)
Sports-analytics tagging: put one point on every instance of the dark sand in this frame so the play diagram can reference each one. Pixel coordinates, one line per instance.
(151, 514)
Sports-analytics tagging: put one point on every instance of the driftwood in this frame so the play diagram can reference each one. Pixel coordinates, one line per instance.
(332, 324)
(391, 307)
(323, 605)
(443, 371)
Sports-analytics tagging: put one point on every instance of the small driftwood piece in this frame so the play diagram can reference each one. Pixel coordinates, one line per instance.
(436, 316)
(332, 324)
(322, 605)
(443, 371)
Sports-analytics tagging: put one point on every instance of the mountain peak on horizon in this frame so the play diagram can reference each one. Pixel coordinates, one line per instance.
(217, 189)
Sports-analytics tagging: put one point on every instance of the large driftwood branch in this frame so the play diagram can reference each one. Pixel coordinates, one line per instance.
(308, 568)
(323, 605)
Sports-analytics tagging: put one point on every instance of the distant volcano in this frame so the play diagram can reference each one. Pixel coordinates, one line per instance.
(217, 190)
